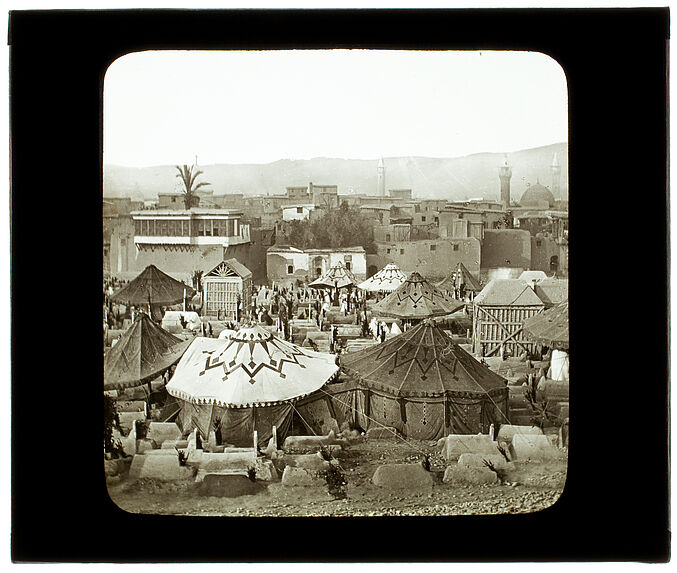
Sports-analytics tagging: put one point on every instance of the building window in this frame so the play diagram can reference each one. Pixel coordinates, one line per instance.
(423, 219)
(299, 209)
(401, 251)
(290, 269)
(433, 247)
(455, 247)
(173, 199)
(347, 265)
(539, 242)
(460, 215)
(388, 251)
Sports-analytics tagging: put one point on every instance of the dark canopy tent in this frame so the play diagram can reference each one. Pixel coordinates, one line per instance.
(460, 278)
(550, 327)
(143, 352)
(416, 298)
(152, 287)
(423, 384)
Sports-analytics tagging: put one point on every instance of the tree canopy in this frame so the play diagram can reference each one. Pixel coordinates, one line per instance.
(339, 227)
(188, 176)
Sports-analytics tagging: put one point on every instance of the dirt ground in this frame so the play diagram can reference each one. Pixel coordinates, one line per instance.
(528, 488)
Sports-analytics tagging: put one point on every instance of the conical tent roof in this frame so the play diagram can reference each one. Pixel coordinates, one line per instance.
(422, 362)
(460, 276)
(550, 327)
(386, 280)
(143, 352)
(250, 368)
(154, 287)
(337, 276)
(416, 298)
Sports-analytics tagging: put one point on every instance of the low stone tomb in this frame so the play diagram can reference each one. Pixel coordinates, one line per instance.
(312, 462)
(311, 443)
(293, 477)
(171, 444)
(128, 419)
(454, 445)
(507, 431)
(229, 486)
(161, 431)
(159, 467)
(265, 470)
(529, 447)
(402, 476)
(463, 475)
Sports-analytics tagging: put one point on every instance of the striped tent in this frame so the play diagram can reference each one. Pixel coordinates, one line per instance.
(386, 280)
(337, 276)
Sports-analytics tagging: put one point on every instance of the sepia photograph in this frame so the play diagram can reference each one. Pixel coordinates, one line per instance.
(335, 282)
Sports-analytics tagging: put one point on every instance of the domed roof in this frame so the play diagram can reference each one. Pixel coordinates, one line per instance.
(536, 193)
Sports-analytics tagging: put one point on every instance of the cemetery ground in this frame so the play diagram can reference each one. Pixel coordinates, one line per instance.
(526, 486)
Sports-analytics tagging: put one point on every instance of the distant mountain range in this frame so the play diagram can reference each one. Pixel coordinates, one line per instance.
(455, 178)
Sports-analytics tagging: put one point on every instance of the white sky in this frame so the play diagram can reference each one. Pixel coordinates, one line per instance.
(257, 107)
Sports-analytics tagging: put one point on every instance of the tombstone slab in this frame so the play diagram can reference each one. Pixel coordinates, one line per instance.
(228, 486)
(312, 462)
(171, 444)
(507, 431)
(477, 461)
(293, 477)
(462, 475)
(530, 447)
(265, 470)
(162, 431)
(163, 468)
(457, 444)
(388, 433)
(227, 461)
(128, 419)
(402, 476)
(143, 446)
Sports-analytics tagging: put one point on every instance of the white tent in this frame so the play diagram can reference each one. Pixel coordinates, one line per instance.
(250, 368)
(386, 280)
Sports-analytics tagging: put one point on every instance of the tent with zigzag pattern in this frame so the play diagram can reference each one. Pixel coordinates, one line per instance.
(249, 381)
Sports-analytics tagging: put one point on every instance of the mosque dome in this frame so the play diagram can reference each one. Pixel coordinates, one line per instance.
(535, 194)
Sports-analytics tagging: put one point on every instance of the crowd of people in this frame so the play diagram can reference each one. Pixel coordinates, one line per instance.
(272, 306)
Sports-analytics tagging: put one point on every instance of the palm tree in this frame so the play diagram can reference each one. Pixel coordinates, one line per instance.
(188, 175)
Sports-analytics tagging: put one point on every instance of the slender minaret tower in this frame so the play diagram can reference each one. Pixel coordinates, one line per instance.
(381, 179)
(556, 171)
(505, 173)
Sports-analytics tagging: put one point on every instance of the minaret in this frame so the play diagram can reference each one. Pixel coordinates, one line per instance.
(556, 171)
(381, 179)
(505, 173)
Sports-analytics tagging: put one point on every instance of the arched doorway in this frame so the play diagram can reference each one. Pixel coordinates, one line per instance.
(554, 263)
(318, 266)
